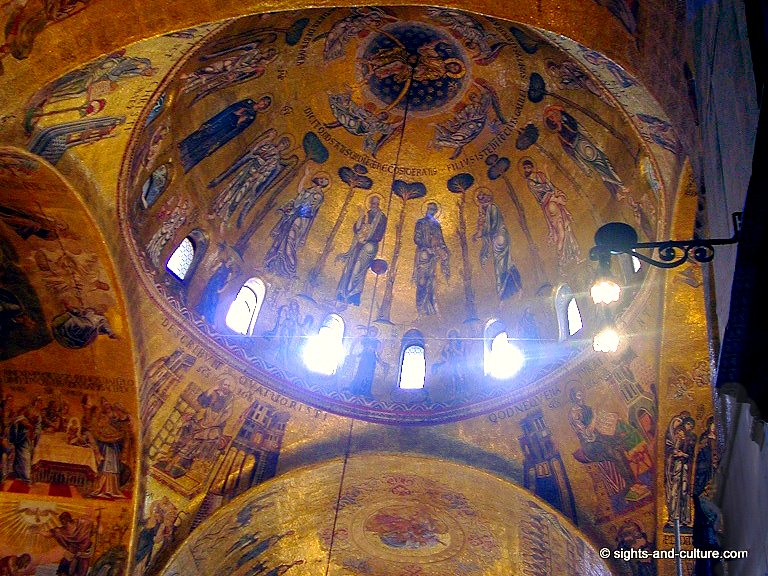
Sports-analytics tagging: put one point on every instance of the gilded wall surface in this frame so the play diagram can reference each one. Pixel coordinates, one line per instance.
(686, 414)
(69, 456)
(392, 514)
(473, 158)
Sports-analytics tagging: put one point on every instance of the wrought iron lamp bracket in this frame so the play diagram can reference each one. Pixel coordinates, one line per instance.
(619, 238)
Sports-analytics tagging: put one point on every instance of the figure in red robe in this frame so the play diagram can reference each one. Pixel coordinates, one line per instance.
(75, 536)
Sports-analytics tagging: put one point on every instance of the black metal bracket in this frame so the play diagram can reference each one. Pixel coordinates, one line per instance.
(620, 238)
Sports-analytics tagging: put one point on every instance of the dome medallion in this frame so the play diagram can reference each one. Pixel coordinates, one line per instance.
(413, 66)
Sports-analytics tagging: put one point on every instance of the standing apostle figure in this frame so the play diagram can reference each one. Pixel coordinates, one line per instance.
(368, 231)
(430, 248)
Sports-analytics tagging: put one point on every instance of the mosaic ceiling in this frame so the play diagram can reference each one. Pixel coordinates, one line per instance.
(414, 173)
(417, 172)
(428, 518)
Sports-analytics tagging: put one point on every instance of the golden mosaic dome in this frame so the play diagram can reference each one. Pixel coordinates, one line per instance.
(331, 195)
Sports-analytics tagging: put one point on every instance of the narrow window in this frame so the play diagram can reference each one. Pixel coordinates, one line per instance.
(324, 352)
(574, 317)
(244, 310)
(413, 362)
(181, 259)
(569, 320)
(414, 368)
(157, 109)
(154, 186)
(636, 264)
(502, 359)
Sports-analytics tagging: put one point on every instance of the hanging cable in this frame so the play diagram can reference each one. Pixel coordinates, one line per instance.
(338, 496)
(407, 88)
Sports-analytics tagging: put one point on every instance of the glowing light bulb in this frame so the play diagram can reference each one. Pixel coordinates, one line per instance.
(607, 340)
(605, 292)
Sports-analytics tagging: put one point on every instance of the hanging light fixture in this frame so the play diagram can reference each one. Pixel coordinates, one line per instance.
(607, 339)
(620, 238)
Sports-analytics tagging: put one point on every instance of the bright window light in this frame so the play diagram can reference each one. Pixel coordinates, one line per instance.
(243, 312)
(414, 368)
(574, 317)
(636, 264)
(324, 352)
(569, 321)
(607, 340)
(505, 359)
(181, 259)
(605, 292)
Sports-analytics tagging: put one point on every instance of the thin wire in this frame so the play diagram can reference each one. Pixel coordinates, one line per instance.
(399, 149)
(370, 308)
(338, 497)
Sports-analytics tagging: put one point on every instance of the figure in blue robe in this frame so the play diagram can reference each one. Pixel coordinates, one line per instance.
(220, 129)
(583, 150)
(209, 301)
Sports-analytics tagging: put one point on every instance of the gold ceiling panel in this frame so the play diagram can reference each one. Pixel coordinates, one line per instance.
(387, 515)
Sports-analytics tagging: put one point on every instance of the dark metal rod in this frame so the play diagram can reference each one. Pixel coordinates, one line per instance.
(604, 250)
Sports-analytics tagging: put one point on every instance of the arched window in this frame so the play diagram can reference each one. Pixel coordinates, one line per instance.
(187, 256)
(569, 320)
(501, 359)
(413, 363)
(244, 310)
(324, 352)
(574, 317)
(157, 109)
(181, 259)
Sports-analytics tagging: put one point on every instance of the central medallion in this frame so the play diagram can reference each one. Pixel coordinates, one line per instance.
(413, 65)
(413, 527)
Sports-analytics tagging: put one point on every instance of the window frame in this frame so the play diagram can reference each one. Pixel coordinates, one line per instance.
(181, 275)
(333, 325)
(493, 329)
(200, 245)
(412, 339)
(258, 288)
(564, 296)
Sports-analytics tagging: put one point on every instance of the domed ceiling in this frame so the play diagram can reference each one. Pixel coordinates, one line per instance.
(418, 172)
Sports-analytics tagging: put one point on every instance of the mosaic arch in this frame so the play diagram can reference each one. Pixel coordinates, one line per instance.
(404, 168)
(431, 517)
(68, 418)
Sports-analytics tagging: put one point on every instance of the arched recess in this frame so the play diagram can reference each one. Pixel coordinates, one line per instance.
(569, 316)
(367, 510)
(66, 362)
